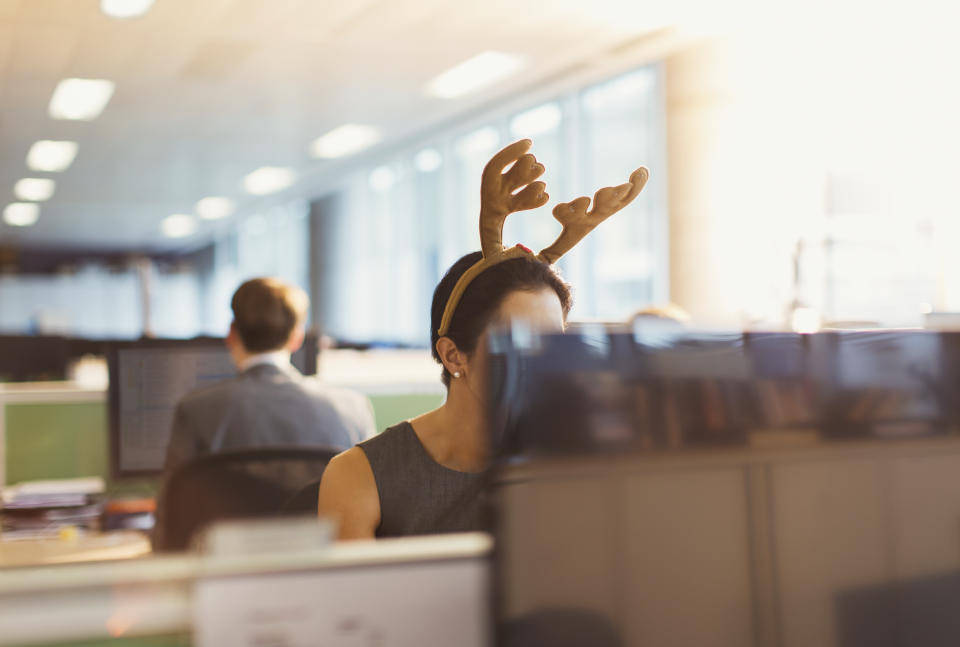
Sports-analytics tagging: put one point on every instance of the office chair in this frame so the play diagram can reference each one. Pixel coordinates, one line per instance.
(560, 627)
(304, 501)
(240, 484)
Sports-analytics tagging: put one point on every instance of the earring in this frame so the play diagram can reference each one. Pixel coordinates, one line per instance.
(456, 373)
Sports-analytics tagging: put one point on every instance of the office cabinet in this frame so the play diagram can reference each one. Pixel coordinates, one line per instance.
(559, 555)
(837, 545)
(925, 515)
(829, 529)
(925, 502)
(649, 554)
(686, 559)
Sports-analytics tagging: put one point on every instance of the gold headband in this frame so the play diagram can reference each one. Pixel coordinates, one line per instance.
(503, 193)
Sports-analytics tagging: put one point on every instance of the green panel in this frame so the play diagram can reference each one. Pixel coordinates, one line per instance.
(153, 641)
(62, 440)
(391, 409)
(70, 439)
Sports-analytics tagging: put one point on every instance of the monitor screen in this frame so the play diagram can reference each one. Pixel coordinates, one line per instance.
(148, 378)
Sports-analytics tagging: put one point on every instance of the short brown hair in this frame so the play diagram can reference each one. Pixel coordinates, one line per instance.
(485, 294)
(266, 311)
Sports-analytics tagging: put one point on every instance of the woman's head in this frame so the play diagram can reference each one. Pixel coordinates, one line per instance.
(520, 287)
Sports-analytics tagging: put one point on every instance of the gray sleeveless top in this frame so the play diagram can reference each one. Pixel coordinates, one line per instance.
(419, 496)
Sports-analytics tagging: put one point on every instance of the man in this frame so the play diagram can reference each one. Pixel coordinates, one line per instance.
(269, 403)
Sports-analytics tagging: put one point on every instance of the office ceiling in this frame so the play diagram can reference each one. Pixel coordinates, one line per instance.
(207, 91)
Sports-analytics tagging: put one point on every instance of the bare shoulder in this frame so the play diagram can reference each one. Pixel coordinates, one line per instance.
(348, 495)
(350, 468)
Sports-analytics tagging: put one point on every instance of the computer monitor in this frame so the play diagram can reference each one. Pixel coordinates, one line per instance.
(148, 378)
(282, 589)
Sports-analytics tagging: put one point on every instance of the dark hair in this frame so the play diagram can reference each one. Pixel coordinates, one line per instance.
(266, 311)
(484, 295)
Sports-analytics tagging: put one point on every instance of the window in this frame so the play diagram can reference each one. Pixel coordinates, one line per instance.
(406, 219)
(273, 243)
(873, 244)
(625, 257)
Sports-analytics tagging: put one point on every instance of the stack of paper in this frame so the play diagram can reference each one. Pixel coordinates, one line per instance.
(41, 508)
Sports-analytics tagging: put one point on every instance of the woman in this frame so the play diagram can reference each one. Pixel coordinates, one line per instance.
(424, 475)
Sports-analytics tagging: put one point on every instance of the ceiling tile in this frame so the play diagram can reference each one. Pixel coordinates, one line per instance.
(42, 51)
(9, 10)
(209, 90)
(217, 59)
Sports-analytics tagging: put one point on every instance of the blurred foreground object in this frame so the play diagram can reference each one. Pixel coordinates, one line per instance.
(396, 593)
(600, 390)
(727, 490)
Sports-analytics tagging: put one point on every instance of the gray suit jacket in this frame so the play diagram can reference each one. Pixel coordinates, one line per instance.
(266, 406)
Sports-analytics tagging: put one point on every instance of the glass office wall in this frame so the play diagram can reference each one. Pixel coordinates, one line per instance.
(401, 222)
(100, 302)
(880, 256)
(188, 297)
(275, 242)
(408, 218)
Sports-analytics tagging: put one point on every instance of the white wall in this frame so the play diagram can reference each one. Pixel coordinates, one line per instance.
(832, 123)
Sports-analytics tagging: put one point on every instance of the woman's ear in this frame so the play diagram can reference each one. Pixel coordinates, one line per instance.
(453, 359)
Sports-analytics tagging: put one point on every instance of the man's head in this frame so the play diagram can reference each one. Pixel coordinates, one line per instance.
(268, 315)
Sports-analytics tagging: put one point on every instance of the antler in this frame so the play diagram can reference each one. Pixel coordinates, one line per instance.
(499, 195)
(578, 222)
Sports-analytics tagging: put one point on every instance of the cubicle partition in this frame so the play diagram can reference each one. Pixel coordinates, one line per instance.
(729, 490)
(52, 430)
(58, 430)
(844, 546)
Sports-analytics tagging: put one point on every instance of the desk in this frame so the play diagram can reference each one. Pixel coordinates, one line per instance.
(122, 544)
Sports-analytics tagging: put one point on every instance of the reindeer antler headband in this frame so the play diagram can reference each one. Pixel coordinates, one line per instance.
(499, 197)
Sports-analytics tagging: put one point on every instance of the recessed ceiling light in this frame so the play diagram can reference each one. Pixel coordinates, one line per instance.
(80, 99)
(382, 178)
(536, 121)
(51, 156)
(214, 208)
(34, 189)
(269, 179)
(21, 214)
(474, 74)
(344, 140)
(125, 8)
(179, 225)
(427, 160)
